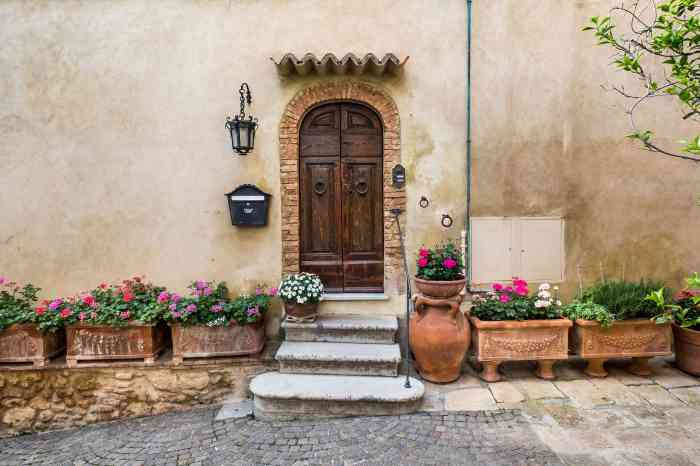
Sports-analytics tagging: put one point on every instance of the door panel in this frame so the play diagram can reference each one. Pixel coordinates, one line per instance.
(341, 197)
(363, 226)
(321, 249)
(320, 132)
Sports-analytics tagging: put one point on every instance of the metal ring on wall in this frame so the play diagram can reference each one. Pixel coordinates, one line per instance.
(446, 221)
(424, 202)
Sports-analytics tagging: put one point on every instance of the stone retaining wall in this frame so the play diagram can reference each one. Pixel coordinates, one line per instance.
(57, 397)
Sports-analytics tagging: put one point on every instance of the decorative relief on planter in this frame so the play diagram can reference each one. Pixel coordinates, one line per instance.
(544, 341)
(202, 341)
(640, 339)
(98, 342)
(26, 344)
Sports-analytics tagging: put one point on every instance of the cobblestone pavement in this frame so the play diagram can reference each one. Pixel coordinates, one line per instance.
(501, 437)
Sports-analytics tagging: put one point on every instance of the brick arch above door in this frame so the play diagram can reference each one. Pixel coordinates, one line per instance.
(296, 109)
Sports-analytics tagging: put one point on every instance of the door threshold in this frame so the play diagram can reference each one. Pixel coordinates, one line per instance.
(355, 297)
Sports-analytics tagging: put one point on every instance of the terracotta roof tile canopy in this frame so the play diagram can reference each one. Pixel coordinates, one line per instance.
(349, 65)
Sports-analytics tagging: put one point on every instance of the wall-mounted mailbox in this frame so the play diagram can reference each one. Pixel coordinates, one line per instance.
(248, 205)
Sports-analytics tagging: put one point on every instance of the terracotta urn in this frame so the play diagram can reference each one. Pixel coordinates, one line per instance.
(544, 341)
(687, 344)
(639, 339)
(439, 289)
(300, 313)
(439, 338)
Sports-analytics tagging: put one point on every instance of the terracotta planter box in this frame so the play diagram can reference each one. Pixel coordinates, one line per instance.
(24, 343)
(201, 341)
(640, 339)
(544, 341)
(101, 343)
(687, 344)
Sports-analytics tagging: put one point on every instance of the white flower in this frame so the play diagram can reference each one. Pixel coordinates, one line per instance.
(544, 286)
(558, 303)
(556, 288)
(539, 303)
(544, 294)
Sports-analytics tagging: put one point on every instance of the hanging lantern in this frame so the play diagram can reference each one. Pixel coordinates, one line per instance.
(242, 130)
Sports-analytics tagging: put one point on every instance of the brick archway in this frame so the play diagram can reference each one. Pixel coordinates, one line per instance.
(293, 115)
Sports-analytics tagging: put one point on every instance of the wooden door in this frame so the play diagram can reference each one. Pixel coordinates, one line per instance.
(341, 208)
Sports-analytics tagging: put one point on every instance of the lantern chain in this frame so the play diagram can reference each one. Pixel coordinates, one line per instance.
(246, 97)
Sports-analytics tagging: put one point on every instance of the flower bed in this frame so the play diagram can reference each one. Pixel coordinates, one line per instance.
(207, 324)
(26, 336)
(510, 325)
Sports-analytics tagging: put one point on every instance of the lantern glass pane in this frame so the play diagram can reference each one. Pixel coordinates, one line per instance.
(245, 136)
(252, 135)
(235, 138)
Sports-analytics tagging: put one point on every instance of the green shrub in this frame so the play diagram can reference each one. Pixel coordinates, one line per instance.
(624, 299)
(588, 311)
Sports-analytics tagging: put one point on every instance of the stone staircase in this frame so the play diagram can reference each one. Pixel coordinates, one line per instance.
(340, 365)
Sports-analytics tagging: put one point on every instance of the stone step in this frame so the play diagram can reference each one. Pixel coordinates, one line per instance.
(301, 357)
(346, 328)
(291, 396)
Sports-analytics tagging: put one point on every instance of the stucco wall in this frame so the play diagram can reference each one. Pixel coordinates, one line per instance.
(114, 158)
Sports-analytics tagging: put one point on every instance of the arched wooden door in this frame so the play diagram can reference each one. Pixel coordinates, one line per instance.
(340, 189)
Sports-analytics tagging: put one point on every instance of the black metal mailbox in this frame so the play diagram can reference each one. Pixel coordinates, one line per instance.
(248, 205)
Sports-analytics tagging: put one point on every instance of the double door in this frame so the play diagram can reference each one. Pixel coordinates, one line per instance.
(341, 209)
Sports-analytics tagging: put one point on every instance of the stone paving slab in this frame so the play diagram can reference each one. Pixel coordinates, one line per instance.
(536, 389)
(497, 438)
(469, 399)
(506, 392)
(657, 396)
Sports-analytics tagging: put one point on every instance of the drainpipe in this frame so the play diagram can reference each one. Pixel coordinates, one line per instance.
(468, 227)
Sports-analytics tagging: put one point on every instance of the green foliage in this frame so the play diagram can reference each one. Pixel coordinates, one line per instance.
(441, 263)
(684, 310)
(17, 303)
(659, 45)
(623, 299)
(588, 311)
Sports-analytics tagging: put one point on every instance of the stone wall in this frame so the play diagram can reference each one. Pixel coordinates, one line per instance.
(56, 398)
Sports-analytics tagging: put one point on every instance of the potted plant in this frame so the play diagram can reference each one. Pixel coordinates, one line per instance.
(113, 322)
(439, 331)
(684, 314)
(28, 334)
(440, 271)
(510, 325)
(613, 319)
(301, 294)
(207, 324)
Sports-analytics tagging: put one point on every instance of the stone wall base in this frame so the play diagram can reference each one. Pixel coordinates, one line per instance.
(56, 397)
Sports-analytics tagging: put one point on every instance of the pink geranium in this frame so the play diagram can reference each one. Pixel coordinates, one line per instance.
(521, 291)
(449, 263)
(423, 262)
(124, 315)
(175, 298)
(40, 310)
(504, 298)
(422, 252)
(66, 313)
(55, 304)
(89, 300)
(163, 297)
(128, 296)
(497, 287)
(2, 280)
(272, 292)
(191, 308)
(81, 316)
(216, 308)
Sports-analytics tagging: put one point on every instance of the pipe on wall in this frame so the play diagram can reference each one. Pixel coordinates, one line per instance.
(468, 228)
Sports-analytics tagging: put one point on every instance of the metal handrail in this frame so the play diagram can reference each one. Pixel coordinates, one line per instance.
(396, 212)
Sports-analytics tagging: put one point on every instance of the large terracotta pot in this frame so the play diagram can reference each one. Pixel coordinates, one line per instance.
(90, 344)
(202, 341)
(439, 338)
(439, 289)
(687, 343)
(296, 312)
(24, 343)
(640, 339)
(544, 341)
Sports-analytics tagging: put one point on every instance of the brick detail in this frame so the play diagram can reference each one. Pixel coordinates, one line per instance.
(305, 100)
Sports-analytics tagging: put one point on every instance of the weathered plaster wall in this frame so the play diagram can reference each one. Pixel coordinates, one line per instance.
(115, 160)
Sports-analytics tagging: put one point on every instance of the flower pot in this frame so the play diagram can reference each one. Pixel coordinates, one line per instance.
(439, 338)
(687, 344)
(88, 344)
(202, 341)
(640, 339)
(296, 312)
(544, 341)
(439, 289)
(24, 343)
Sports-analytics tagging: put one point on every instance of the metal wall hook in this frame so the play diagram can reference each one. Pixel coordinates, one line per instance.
(424, 202)
(446, 220)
